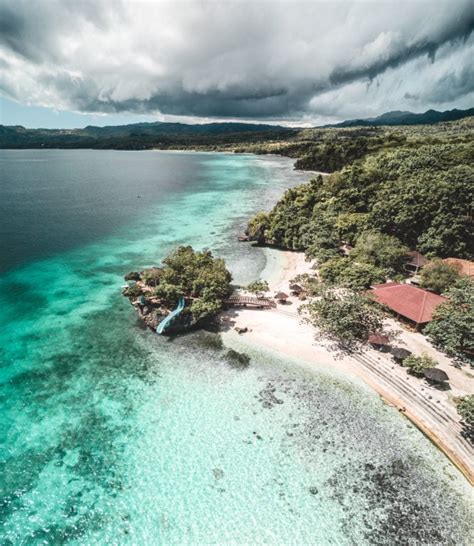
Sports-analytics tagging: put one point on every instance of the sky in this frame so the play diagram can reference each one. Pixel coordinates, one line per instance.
(71, 63)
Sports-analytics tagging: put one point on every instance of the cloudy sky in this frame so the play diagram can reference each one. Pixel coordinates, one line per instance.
(71, 62)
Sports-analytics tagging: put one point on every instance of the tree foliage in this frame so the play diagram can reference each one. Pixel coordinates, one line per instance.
(417, 189)
(452, 327)
(380, 250)
(418, 364)
(346, 272)
(197, 276)
(311, 284)
(256, 287)
(257, 227)
(345, 317)
(439, 276)
(465, 407)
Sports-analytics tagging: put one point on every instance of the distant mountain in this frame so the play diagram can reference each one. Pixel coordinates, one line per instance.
(407, 118)
(139, 136)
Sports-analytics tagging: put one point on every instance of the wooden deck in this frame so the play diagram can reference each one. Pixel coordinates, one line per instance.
(236, 300)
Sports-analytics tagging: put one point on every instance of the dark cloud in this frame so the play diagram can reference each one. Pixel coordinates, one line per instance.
(236, 60)
(452, 85)
(458, 32)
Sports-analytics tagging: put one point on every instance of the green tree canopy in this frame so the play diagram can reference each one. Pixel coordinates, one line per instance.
(465, 407)
(351, 274)
(380, 250)
(257, 227)
(416, 189)
(197, 276)
(418, 364)
(345, 317)
(439, 276)
(452, 327)
(258, 286)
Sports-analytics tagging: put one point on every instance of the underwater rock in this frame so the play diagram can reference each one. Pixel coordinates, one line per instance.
(218, 473)
(237, 360)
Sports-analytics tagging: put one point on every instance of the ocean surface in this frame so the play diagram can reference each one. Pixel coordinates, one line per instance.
(110, 434)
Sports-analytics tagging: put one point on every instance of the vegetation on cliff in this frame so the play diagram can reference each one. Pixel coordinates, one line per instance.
(420, 195)
(398, 190)
(202, 280)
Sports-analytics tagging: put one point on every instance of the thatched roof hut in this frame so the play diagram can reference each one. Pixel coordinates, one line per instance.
(436, 375)
(281, 296)
(399, 353)
(378, 341)
(296, 288)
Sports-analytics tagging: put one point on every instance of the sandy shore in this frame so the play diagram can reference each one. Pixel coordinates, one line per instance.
(281, 330)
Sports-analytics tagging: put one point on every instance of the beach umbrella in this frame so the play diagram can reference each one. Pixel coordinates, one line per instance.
(435, 374)
(378, 339)
(281, 296)
(399, 353)
(296, 288)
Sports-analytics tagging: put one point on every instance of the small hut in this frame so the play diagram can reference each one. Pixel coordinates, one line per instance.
(415, 262)
(281, 297)
(345, 249)
(399, 354)
(296, 289)
(436, 375)
(379, 341)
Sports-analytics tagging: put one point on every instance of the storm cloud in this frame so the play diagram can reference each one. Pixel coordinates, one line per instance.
(287, 61)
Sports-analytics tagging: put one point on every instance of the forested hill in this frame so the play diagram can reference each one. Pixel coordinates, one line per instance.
(140, 136)
(316, 148)
(410, 187)
(407, 118)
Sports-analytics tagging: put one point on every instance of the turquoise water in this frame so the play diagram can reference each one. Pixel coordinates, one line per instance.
(110, 434)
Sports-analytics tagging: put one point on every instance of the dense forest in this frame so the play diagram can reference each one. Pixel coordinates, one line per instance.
(414, 186)
(394, 190)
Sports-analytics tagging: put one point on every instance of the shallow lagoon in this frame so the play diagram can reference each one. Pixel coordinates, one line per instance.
(111, 434)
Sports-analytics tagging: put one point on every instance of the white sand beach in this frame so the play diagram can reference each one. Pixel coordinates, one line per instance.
(282, 330)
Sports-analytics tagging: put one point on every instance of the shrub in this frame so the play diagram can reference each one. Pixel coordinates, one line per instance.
(465, 407)
(258, 286)
(439, 276)
(418, 364)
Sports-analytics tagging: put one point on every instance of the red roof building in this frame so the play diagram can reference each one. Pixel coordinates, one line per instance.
(408, 301)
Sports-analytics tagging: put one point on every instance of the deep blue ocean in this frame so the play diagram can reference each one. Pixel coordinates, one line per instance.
(110, 434)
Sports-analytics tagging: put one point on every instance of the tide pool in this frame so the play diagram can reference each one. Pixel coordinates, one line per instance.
(111, 434)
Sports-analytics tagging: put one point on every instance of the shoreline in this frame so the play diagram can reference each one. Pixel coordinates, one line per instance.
(280, 330)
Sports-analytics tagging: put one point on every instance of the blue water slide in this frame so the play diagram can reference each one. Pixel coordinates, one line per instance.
(169, 318)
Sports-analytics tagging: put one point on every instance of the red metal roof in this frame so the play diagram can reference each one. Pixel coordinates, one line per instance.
(408, 301)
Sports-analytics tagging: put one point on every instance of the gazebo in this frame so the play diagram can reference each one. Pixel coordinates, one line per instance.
(281, 297)
(296, 289)
(399, 354)
(415, 262)
(436, 375)
(379, 341)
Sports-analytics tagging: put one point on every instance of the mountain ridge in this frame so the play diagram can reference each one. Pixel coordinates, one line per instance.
(398, 117)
